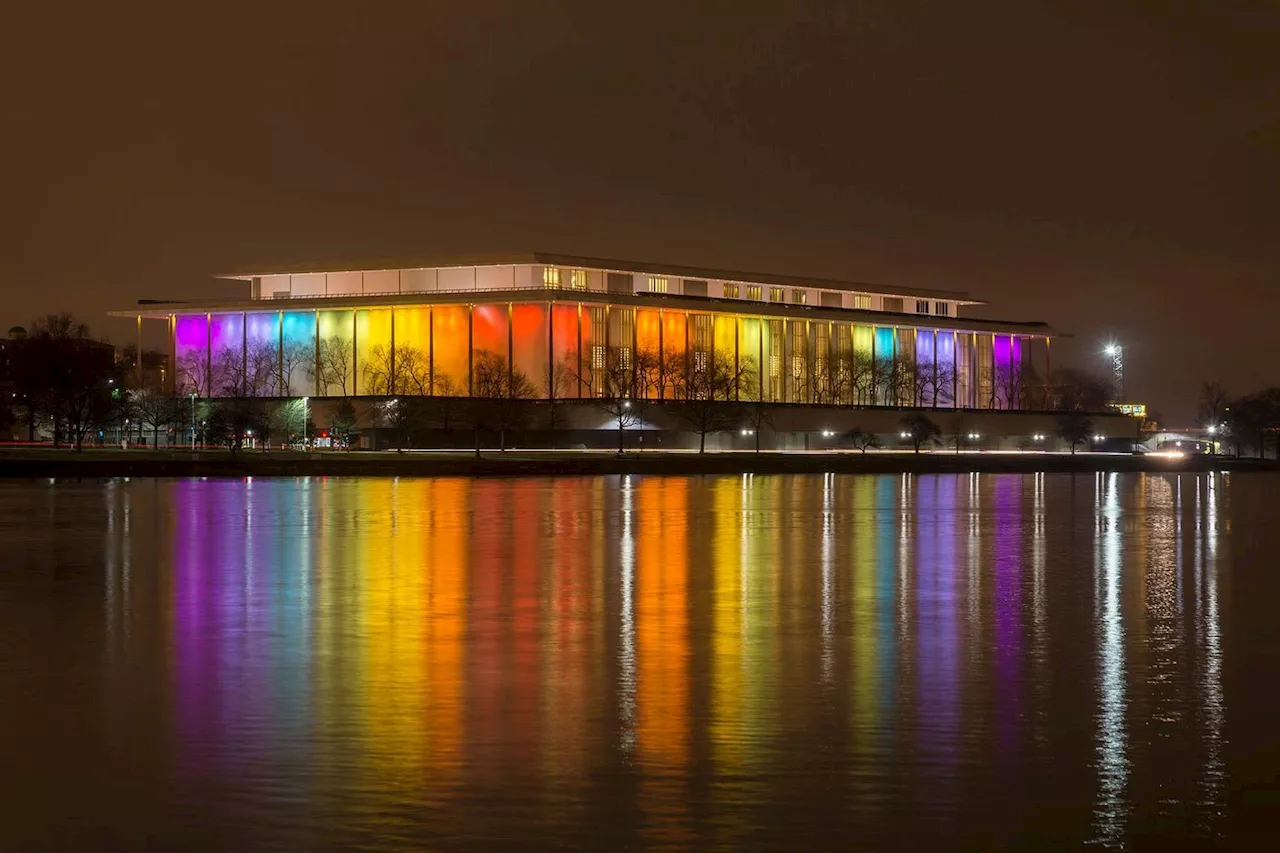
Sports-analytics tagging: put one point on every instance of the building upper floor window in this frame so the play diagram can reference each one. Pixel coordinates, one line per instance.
(658, 285)
(550, 277)
(775, 294)
(922, 306)
(830, 299)
(798, 296)
(754, 292)
(862, 301)
(730, 290)
(893, 303)
(578, 279)
(942, 309)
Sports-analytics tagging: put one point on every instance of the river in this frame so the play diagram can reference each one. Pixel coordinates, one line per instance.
(736, 662)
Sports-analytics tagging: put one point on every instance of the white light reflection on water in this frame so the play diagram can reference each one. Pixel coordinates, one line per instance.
(1209, 629)
(1110, 809)
(828, 592)
(627, 632)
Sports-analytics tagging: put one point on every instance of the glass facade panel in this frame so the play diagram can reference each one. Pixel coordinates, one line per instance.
(564, 341)
(751, 356)
(227, 355)
(883, 355)
(529, 345)
(191, 354)
(450, 361)
(413, 349)
(964, 371)
(648, 350)
(926, 367)
(675, 331)
(337, 353)
(300, 352)
(905, 367)
(489, 329)
(263, 348)
(374, 361)
(945, 361)
(985, 374)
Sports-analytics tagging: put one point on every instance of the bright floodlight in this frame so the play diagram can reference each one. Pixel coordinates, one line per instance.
(1111, 349)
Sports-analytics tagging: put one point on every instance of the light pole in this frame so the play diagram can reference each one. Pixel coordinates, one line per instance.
(1116, 353)
(305, 437)
(193, 423)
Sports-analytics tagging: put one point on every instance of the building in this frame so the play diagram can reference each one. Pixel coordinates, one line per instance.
(562, 323)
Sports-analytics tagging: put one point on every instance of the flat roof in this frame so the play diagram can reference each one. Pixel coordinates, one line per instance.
(608, 264)
(160, 309)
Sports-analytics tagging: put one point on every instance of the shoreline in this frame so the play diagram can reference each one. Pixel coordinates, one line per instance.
(97, 463)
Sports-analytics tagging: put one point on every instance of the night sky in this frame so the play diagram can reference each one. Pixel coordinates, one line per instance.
(1110, 168)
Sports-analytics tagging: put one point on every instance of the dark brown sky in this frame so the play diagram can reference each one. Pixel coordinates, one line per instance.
(1111, 168)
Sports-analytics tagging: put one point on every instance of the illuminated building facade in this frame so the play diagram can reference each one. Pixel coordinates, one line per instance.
(561, 322)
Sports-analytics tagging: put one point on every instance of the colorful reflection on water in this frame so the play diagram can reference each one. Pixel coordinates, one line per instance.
(700, 663)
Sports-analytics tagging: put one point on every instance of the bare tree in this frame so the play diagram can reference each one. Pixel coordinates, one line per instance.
(402, 415)
(862, 439)
(498, 391)
(446, 403)
(334, 360)
(1213, 403)
(1072, 390)
(711, 388)
(1010, 389)
(61, 371)
(296, 358)
(383, 372)
(156, 411)
(960, 428)
(921, 430)
(1074, 427)
(757, 416)
(414, 368)
(561, 385)
(613, 385)
(933, 384)
(862, 375)
(192, 374)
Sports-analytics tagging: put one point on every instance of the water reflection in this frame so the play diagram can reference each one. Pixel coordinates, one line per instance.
(688, 662)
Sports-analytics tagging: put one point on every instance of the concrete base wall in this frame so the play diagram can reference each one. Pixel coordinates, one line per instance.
(584, 423)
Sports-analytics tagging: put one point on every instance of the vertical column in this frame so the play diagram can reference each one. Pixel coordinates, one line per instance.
(280, 381)
(471, 367)
(137, 361)
(315, 342)
(551, 347)
(392, 381)
(762, 368)
(208, 354)
(737, 358)
(955, 372)
(171, 377)
(431, 349)
(662, 364)
(244, 354)
(579, 377)
(355, 348)
(995, 376)
(809, 359)
(511, 348)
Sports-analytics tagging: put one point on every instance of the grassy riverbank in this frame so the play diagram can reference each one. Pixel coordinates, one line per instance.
(45, 462)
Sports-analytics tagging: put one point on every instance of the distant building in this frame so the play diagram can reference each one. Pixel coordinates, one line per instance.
(792, 339)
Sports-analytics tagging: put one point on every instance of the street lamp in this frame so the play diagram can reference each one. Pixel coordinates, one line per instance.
(1115, 352)
(305, 401)
(193, 422)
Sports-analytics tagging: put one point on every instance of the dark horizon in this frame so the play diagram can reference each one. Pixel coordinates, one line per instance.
(1112, 171)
